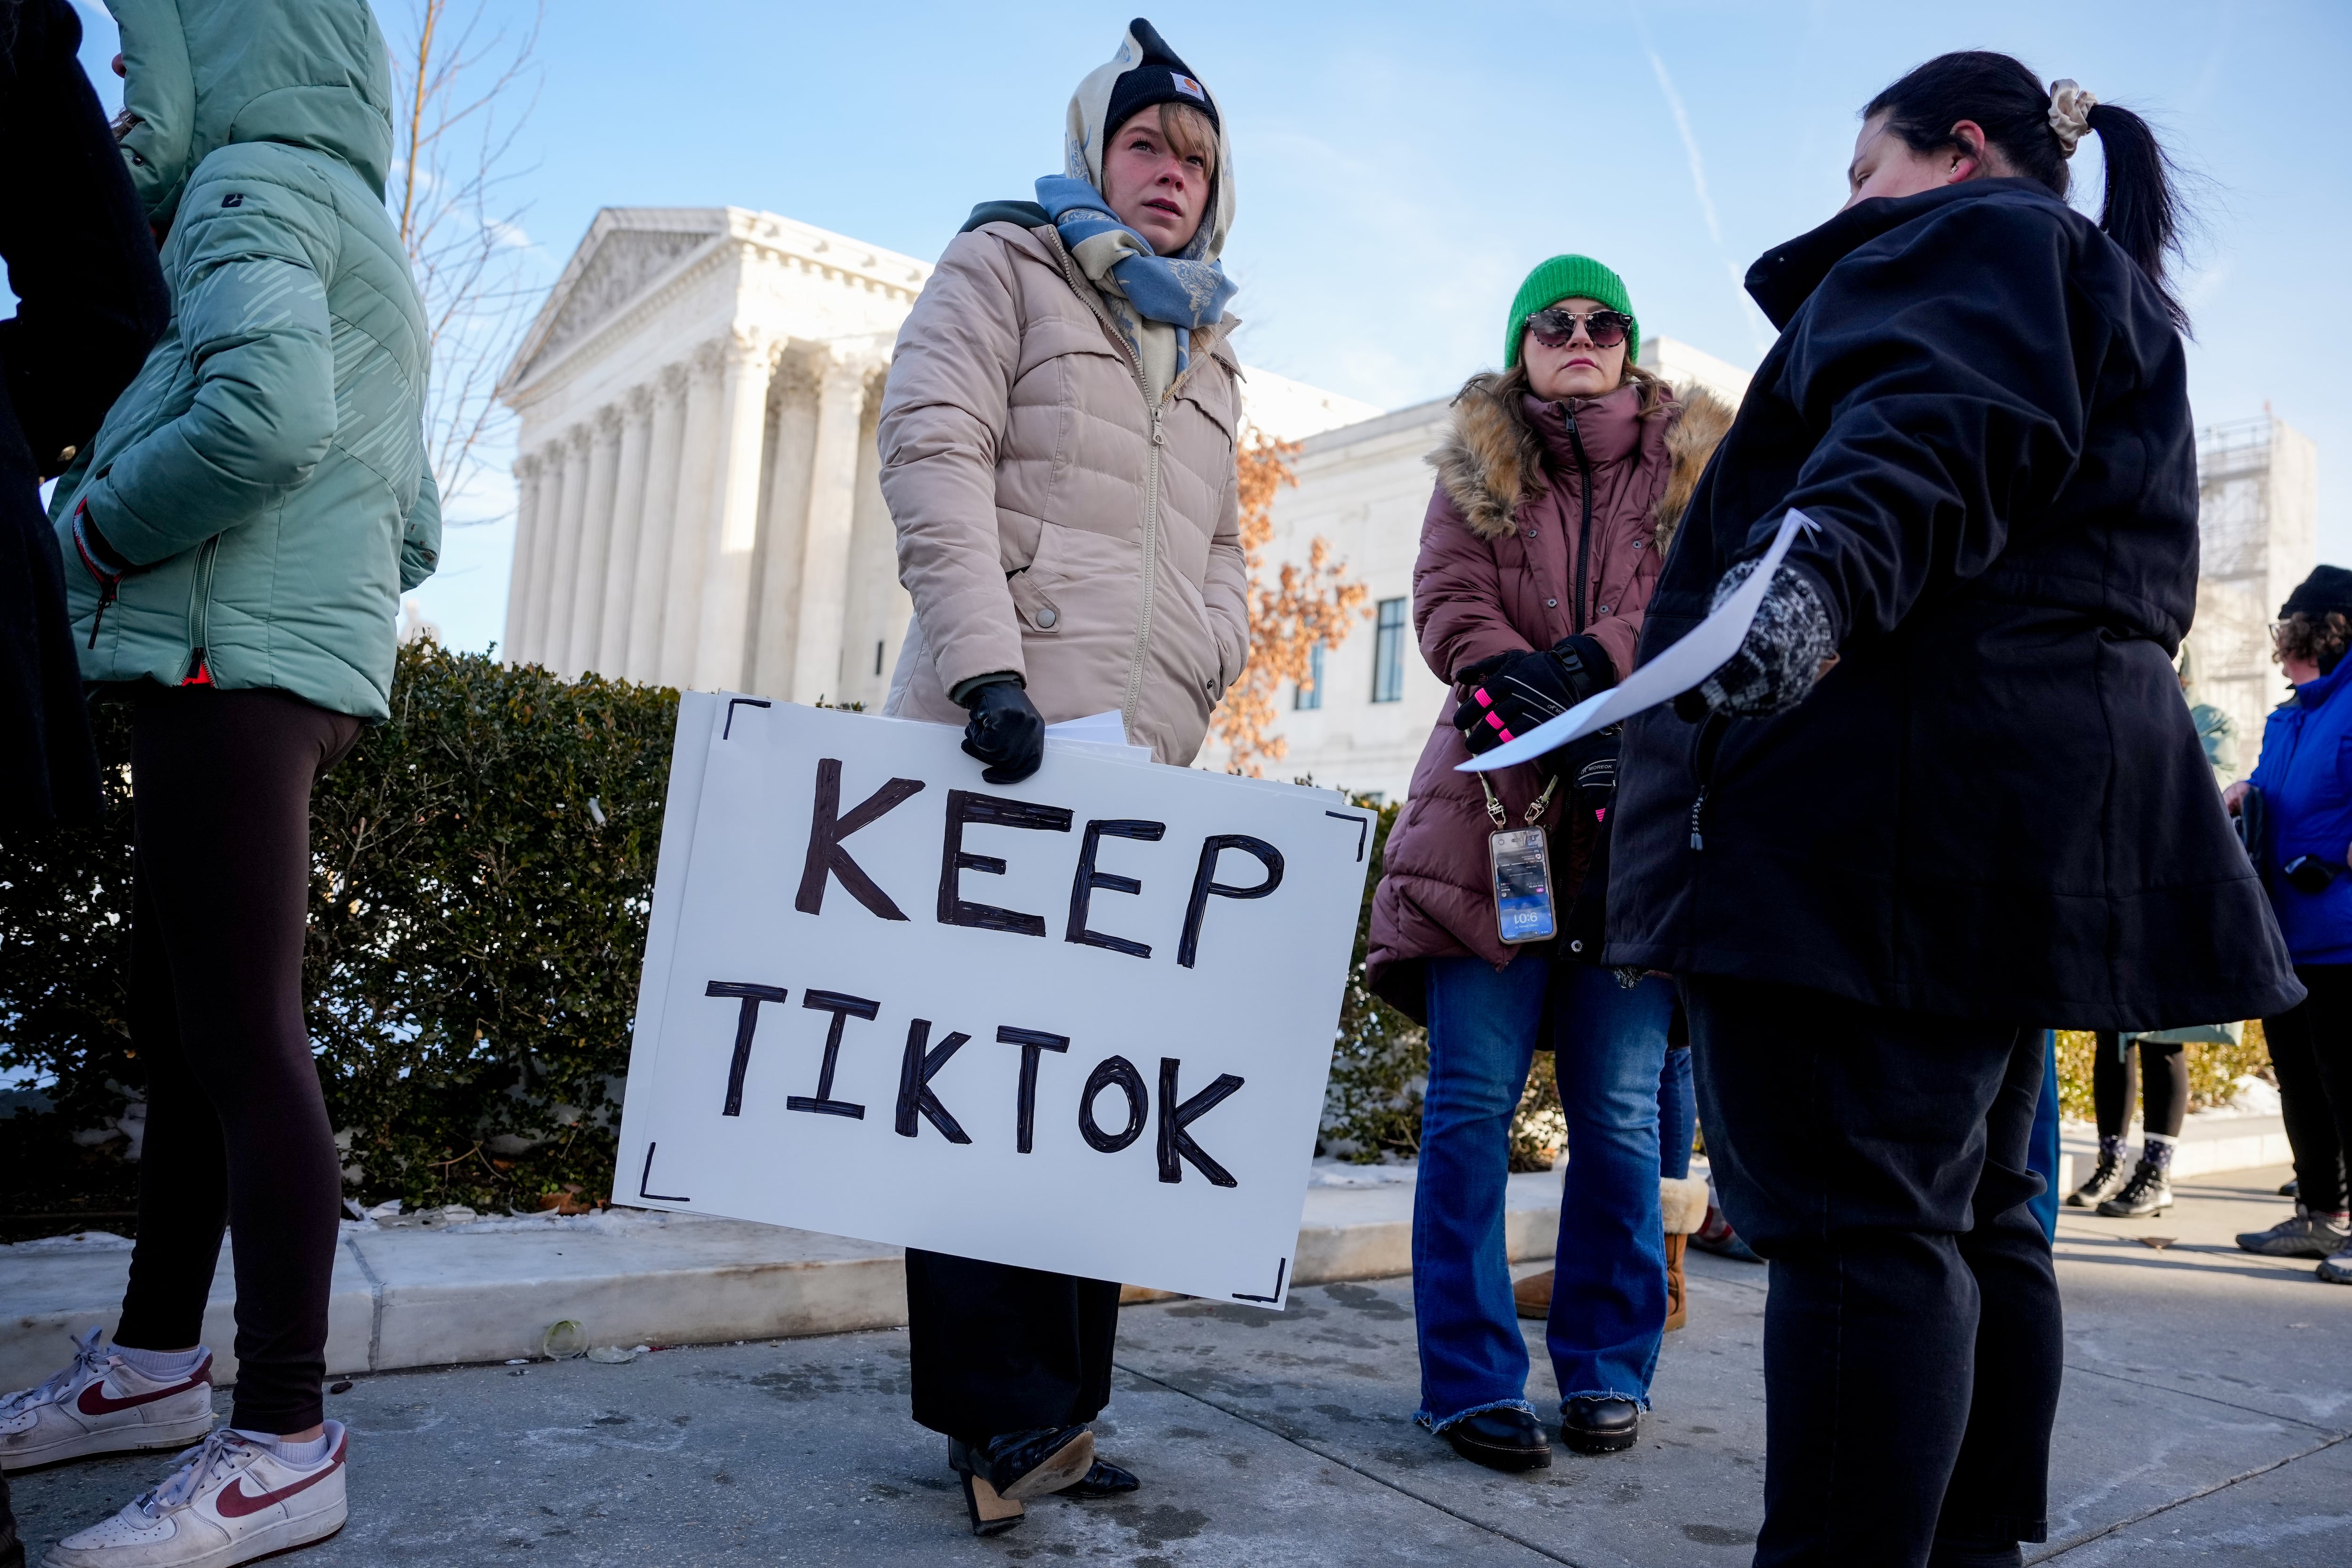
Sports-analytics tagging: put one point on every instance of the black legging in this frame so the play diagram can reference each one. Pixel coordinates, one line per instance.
(2164, 1086)
(236, 1127)
(2311, 1050)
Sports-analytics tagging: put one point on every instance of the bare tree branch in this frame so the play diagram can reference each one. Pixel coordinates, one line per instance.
(467, 84)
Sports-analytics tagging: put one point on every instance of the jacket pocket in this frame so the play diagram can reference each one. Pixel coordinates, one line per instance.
(1034, 587)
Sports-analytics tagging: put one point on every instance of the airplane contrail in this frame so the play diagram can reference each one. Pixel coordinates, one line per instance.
(1748, 313)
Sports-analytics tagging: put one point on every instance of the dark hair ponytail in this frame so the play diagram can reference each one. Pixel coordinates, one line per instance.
(2142, 212)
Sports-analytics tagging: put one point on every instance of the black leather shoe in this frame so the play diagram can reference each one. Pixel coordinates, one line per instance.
(1592, 1425)
(1022, 1465)
(1504, 1439)
(1105, 1479)
(1969, 1551)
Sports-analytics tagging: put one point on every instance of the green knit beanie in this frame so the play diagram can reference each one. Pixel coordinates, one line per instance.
(1567, 277)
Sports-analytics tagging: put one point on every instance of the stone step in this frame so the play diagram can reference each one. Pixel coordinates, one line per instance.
(408, 1296)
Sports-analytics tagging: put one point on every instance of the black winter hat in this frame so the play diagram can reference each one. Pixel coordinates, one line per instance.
(2327, 588)
(1158, 78)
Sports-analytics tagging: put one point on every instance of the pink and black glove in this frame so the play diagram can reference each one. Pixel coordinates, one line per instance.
(1510, 693)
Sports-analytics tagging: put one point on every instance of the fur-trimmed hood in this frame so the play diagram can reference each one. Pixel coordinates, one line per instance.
(1490, 453)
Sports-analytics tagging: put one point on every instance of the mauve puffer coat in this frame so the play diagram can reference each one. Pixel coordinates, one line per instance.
(1050, 522)
(1497, 574)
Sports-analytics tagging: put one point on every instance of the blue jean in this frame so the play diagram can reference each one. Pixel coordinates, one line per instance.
(1609, 1292)
(1677, 1115)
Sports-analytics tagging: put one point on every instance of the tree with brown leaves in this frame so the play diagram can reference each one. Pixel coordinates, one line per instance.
(1292, 611)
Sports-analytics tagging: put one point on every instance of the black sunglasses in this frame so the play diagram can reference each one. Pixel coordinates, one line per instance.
(1556, 328)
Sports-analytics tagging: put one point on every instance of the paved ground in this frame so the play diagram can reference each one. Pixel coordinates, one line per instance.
(2209, 1396)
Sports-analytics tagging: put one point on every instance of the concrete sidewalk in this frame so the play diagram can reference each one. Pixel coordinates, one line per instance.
(2208, 1399)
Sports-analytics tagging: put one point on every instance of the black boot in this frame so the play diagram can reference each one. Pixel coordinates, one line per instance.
(2107, 1178)
(1022, 1465)
(1597, 1426)
(1501, 1440)
(2146, 1195)
(1105, 1479)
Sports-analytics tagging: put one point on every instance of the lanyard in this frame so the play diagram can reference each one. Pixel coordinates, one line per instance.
(1541, 804)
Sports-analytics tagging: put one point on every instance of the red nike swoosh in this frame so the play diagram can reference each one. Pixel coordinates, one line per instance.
(95, 1402)
(236, 1502)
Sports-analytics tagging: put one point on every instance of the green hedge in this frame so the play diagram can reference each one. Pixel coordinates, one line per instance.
(482, 868)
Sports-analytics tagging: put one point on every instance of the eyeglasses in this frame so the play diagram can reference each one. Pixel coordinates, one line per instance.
(1556, 328)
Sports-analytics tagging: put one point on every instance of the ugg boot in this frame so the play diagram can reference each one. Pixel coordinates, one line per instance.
(1532, 1296)
(1682, 1203)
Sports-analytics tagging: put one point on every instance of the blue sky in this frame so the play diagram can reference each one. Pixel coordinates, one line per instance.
(1400, 167)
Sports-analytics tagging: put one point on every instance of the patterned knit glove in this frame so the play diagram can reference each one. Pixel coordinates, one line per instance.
(1787, 649)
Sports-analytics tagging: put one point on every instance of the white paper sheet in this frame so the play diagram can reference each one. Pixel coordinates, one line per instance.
(1707, 649)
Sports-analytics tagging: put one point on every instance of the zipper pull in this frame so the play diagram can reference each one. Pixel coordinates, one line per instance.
(1158, 435)
(1698, 813)
(107, 589)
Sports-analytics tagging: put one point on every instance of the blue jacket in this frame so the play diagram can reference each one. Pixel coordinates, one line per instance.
(2305, 777)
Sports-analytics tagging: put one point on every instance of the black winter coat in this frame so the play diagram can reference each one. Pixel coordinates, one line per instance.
(92, 302)
(1995, 806)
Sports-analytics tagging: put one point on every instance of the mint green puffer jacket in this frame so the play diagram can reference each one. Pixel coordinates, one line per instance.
(266, 471)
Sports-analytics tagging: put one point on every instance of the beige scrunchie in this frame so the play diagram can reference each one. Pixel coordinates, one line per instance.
(2070, 113)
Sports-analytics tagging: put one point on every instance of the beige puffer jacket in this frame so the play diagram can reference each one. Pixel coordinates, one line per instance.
(1049, 522)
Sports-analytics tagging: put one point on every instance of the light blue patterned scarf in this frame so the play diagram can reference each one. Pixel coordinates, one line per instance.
(1180, 291)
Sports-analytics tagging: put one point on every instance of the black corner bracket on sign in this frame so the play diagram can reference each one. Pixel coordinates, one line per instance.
(1363, 829)
(1278, 1268)
(728, 729)
(645, 1182)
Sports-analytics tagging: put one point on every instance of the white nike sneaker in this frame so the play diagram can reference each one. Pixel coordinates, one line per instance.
(231, 1500)
(100, 1406)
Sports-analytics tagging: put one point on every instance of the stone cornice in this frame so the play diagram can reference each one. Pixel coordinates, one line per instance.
(755, 241)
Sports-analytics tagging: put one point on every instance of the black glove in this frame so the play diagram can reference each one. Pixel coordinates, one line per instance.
(1510, 693)
(1006, 732)
(1790, 643)
(1588, 767)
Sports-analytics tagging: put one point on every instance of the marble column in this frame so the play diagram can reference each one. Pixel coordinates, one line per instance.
(527, 498)
(611, 655)
(546, 523)
(595, 533)
(772, 641)
(698, 456)
(817, 656)
(648, 592)
(554, 640)
(733, 527)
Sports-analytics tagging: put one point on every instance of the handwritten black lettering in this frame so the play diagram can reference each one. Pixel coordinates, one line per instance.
(915, 1075)
(843, 1009)
(828, 828)
(1083, 886)
(1204, 883)
(969, 806)
(747, 1022)
(1031, 1042)
(1176, 1145)
(1110, 1070)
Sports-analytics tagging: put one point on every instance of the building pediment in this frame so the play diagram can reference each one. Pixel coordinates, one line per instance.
(627, 252)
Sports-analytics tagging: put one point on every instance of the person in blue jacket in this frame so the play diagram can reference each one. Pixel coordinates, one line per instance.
(2304, 781)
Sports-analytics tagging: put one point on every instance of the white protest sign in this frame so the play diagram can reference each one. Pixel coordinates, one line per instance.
(1080, 1023)
(1698, 654)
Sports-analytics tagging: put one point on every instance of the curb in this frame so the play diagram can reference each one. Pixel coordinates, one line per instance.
(411, 1297)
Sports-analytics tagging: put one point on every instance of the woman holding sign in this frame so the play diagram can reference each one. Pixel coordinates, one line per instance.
(1058, 457)
(1944, 794)
(1557, 490)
